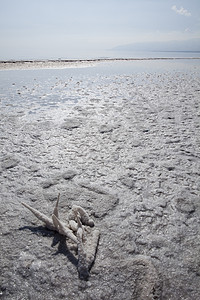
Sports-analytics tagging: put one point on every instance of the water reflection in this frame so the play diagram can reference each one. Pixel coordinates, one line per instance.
(39, 90)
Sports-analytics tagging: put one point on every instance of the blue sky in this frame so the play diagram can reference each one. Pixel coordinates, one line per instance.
(77, 28)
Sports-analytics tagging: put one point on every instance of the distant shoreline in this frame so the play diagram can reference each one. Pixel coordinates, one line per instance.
(91, 60)
(72, 63)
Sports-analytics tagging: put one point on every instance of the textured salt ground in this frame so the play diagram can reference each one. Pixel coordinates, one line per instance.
(126, 148)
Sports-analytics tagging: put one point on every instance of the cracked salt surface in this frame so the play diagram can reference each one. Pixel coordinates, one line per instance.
(130, 138)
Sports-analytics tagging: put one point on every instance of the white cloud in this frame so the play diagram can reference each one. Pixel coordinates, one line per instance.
(182, 11)
(187, 30)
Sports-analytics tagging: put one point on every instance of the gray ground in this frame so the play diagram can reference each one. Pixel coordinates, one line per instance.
(126, 149)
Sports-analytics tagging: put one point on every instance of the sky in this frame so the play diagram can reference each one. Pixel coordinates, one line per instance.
(51, 29)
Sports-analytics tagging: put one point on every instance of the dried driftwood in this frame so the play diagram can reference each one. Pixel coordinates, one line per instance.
(75, 230)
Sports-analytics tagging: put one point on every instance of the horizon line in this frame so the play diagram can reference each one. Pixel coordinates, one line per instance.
(98, 59)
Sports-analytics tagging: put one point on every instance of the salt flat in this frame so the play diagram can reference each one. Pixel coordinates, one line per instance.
(122, 141)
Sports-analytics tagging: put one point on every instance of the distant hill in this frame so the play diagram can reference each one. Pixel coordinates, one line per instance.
(192, 45)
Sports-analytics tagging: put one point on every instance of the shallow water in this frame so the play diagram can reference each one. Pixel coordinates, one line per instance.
(34, 89)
